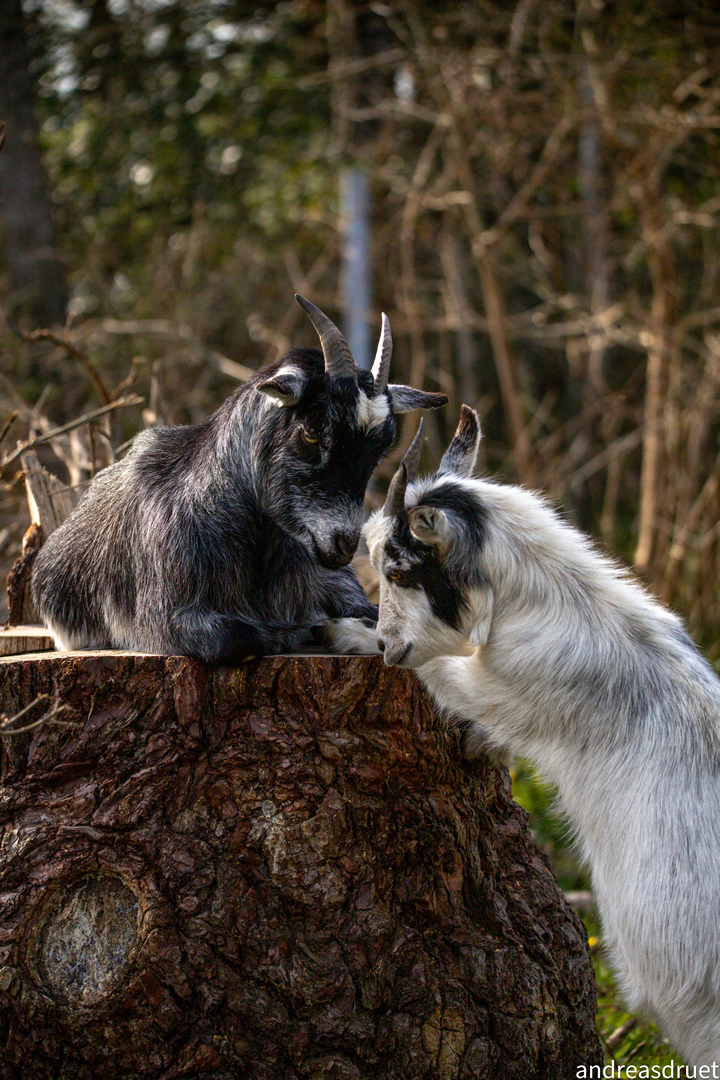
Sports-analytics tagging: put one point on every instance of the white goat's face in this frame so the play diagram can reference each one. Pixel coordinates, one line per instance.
(426, 545)
(426, 610)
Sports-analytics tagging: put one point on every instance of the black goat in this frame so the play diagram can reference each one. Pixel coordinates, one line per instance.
(231, 537)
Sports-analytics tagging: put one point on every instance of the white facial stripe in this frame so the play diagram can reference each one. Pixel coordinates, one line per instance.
(372, 412)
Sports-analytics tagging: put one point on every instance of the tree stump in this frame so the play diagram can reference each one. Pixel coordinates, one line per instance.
(281, 871)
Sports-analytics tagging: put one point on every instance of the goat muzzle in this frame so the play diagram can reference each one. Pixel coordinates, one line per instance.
(339, 552)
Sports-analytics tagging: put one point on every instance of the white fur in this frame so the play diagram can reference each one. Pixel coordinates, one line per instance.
(372, 412)
(351, 636)
(563, 658)
(285, 387)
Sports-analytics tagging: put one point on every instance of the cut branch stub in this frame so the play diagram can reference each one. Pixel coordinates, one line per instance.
(20, 608)
(83, 948)
(275, 872)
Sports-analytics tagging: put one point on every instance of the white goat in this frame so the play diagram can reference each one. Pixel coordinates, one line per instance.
(544, 648)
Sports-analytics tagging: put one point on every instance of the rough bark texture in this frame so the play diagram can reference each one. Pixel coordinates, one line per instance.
(20, 605)
(50, 503)
(274, 872)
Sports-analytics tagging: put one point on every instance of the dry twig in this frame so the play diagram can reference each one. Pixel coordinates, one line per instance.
(619, 1033)
(121, 403)
(84, 361)
(47, 718)
(8, 424)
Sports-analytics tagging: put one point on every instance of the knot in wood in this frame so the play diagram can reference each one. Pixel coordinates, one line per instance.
(85, 944)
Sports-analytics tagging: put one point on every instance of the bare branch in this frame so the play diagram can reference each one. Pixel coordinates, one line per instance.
(619, 1033)
(8, 424)
(121, 403)
(84, 361)
(46, 719)
(26, 710)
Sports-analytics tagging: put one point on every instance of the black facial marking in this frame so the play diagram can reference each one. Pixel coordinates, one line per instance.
(426, 571)
(455, 499)
(445, 577)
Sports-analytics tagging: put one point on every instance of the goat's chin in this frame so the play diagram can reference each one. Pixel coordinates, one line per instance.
(416, 653)
(398, 656)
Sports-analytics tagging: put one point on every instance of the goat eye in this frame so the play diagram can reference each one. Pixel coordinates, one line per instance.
(308, 438)
(396, 575)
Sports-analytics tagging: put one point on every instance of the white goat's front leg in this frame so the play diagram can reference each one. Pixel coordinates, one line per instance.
(357, 636)
(465, 690)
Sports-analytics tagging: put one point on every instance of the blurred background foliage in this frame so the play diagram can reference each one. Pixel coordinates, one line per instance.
(544, 228)
(544, 222)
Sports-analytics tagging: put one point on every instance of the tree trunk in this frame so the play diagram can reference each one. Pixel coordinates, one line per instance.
(28, 236)
(279, 871)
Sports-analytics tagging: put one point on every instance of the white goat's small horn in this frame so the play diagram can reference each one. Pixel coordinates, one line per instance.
(339, 363)
(395, 501)
(414, 450)
(381, 364)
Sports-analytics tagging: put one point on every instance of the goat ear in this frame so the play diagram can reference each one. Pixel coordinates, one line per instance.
(429, 525)
(285, 386)
(404, 399)
(459, 458)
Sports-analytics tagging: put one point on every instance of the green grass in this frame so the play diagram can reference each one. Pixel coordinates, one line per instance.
(641, 1044)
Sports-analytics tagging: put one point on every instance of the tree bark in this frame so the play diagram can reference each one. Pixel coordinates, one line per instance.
(20, 606)
(280, 871)
(28, 236)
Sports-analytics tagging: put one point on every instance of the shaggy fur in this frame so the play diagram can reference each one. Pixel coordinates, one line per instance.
(521, 630)
(230, 537)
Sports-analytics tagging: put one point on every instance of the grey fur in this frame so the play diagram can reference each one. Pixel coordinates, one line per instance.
(230, 537)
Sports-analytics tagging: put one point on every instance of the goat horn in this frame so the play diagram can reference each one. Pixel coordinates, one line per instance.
(395, 501)
(339, 363)
(381, 365)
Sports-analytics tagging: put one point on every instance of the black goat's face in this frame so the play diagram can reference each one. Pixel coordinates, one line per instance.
(334, 444)
(332, 425)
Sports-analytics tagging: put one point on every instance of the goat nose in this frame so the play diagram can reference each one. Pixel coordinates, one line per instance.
(381, 644)
(345, 544)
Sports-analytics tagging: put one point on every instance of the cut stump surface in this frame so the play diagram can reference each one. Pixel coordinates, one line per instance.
(279, 871)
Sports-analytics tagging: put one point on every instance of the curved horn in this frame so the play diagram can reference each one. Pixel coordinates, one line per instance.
(414, 450)
(395, 501)
(381, 364)
(339, 363)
